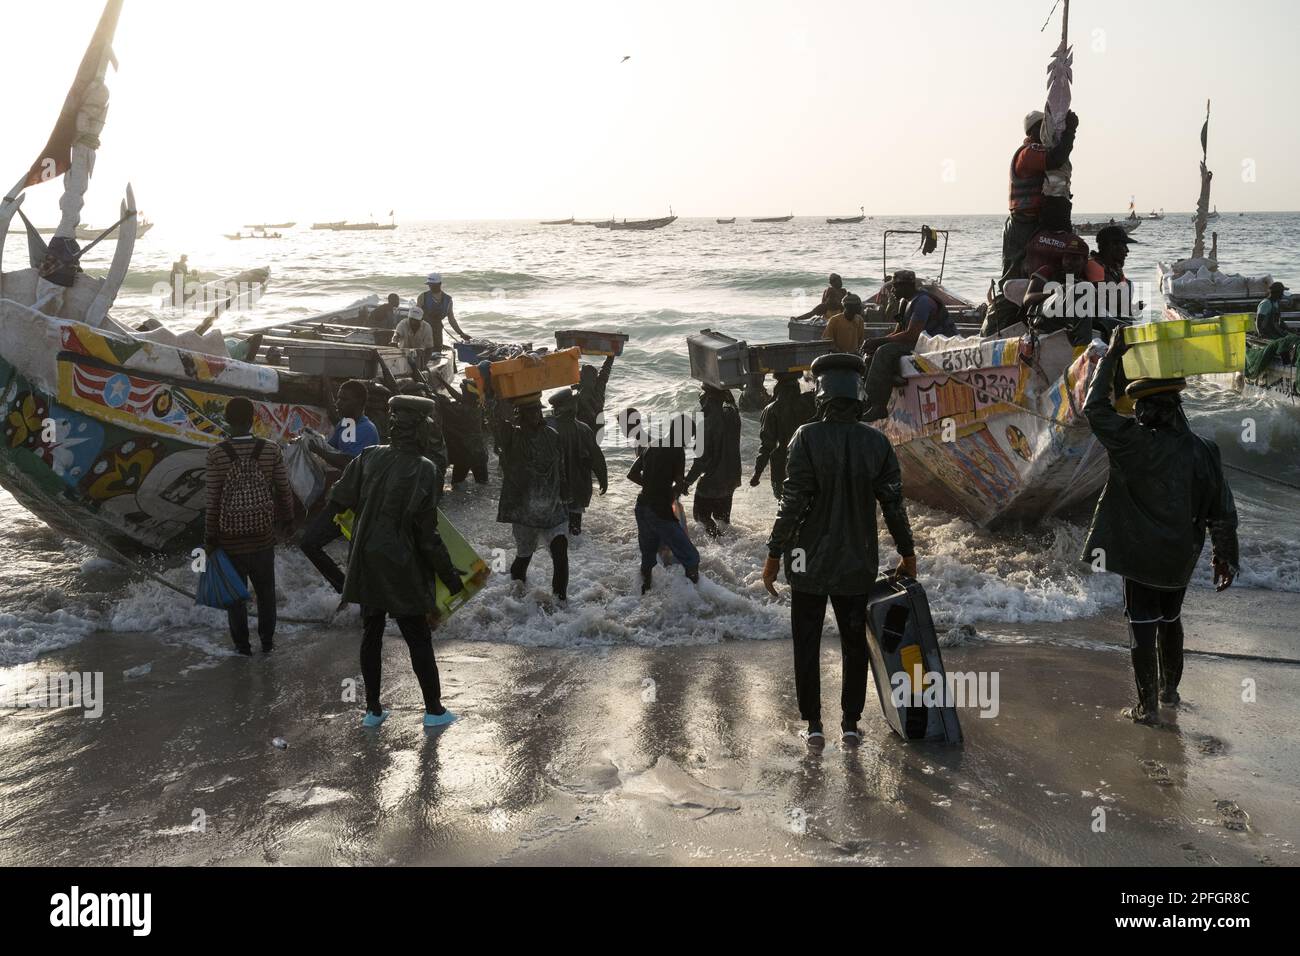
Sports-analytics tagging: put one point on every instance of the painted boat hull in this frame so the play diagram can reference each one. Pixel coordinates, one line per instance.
(105, 434)
(981, 434)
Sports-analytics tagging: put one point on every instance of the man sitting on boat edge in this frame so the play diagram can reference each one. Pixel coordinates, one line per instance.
(919, 311)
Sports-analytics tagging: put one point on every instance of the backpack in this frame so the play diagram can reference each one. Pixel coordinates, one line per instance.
(247, 505)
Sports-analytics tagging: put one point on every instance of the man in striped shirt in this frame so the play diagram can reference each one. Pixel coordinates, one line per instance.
(248, 499)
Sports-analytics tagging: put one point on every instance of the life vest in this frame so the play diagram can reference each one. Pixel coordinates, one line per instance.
(1047, 247)
(1026, 194)
(940, 321)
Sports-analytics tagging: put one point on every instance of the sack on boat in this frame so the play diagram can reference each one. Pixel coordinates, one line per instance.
(219, 584)
(306, 474)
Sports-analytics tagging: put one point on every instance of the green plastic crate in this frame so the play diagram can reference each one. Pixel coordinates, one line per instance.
(1174, 348)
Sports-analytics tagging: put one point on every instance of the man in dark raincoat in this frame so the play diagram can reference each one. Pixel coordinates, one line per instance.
(1166, 489)
(396, 552)
(462, 428)
(535, 492)
(582, 456)
(717, 460)
(591, 393)
(790, 408)
(838, 469)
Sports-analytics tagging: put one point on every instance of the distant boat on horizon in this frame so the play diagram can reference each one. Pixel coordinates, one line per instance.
(557, 222)
(726, 222)
(774, 218)
(345, 226)
(270, 225)
(86, 233)
(848, 220)
(641, 225)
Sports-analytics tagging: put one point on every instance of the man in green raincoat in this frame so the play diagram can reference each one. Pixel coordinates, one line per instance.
(396, 552)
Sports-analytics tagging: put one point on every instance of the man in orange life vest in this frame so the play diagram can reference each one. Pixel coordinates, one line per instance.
(1107, 265)
(1029, 168)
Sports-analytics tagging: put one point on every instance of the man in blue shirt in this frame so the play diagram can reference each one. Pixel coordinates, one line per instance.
(436, 306)
(353, 432)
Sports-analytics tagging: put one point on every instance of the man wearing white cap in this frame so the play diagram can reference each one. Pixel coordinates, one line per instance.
(437, 306)
(1029, 168)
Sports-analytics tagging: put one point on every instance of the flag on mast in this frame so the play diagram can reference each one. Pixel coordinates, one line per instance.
(82, 117)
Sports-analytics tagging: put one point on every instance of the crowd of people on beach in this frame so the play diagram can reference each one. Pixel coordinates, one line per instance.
(829, 468)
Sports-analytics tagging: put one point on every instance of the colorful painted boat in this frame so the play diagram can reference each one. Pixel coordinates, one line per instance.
(106, 429)
(993, 429)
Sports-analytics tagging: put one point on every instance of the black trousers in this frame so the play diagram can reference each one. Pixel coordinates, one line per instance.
(476, 466)
(705, 509)
(318, 534)
(807, 615)
(257, 568)
(419, 641)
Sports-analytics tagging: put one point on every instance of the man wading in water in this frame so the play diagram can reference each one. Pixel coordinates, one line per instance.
(1165, 491)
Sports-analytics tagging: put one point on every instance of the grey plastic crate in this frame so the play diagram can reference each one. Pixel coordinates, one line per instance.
(332, 360)
(717, 359)
(787, 356)
(810, 331)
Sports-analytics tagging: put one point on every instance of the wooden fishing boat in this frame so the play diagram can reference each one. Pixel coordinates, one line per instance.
(598, 223)
(640, 224)
(360, 227)
(263, 226)
(726, 222)
(329, 225)
(849, 220)
(107, 428)
(774, 218)
(1092, 228)
(89, 233)
(557, 222)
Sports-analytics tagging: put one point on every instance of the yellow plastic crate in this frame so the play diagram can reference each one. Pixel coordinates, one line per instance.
(1175, 348)
(530, 374)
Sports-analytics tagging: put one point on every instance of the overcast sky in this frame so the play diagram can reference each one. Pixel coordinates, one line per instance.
(243, 110)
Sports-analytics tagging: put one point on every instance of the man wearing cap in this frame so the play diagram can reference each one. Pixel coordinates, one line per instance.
(582, 455)
(1106, 266)
(534, 492)
(717, 466)
(1165, 491)
(413, 333)
(1268, 317)
(837, 471)
(1060, 278)
(791, 407)
(845, 328)
(918, 311)
(396, 551)
(436, 306)
(1029, 167)
(830, 303)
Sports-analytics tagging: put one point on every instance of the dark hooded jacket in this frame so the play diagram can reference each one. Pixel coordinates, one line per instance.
(396, 551)
(582, 456)
(1166, 489)
(535, 481)
(591, 393)
(838, 469)
(790, 408)
(717, 464)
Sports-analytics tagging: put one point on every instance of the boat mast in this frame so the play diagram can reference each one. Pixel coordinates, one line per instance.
(1060, 73)
(1203, 203)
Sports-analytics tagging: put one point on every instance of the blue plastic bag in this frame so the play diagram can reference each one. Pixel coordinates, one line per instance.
(220, 585)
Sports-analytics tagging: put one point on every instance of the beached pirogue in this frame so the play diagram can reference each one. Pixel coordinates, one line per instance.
(106, 429)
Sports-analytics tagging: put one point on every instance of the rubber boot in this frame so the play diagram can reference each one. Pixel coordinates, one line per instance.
(575, 522)
(1169, 646)
(693, 576)
(1146, 674)
(560, 567)
(645, 582)
(519, 569)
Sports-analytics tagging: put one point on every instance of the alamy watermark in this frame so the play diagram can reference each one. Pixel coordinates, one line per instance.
(54, 691)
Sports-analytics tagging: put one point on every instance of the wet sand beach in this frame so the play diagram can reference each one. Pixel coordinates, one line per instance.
(654, 755)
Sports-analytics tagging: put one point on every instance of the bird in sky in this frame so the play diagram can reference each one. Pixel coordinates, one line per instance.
(625, 59)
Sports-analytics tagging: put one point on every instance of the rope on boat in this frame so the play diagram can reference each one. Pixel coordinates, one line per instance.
(1262, 477)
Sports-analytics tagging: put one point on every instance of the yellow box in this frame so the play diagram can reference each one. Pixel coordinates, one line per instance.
(530, 374)
(1174, 348)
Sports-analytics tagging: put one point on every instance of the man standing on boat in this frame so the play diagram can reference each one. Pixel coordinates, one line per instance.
(1029, 168)
(1165, 491)
(1268, 317)
(838, 470)
(353, 433)
(919, 311)
(830, 303)
(436, 306)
